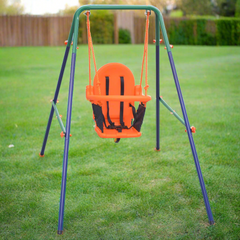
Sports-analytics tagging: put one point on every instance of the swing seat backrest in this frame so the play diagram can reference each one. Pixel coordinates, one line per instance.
(120, 78)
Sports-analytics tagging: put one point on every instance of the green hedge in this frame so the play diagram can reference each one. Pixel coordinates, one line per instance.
(102, 27)
(124, 36)
(194, 32)
(228, 32)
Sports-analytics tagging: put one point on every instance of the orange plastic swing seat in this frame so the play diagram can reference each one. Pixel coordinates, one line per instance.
(114, 90)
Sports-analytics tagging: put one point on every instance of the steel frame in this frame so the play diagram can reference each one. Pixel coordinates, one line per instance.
(73, 36)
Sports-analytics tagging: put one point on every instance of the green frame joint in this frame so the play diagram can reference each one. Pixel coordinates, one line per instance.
(172, 111)
(58, 117)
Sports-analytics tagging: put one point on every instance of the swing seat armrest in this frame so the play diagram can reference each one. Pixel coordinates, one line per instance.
(118, 98)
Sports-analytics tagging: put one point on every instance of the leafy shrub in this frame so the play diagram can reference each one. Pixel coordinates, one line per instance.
(124, 36)
(203, 37)
(102, 27)
(194, 32)
(181, 33)
(237, 9)
(228, 32)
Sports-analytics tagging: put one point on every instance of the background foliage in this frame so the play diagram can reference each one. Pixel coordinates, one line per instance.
(101, 24)
(124, 36)
(194, 32)
(237, 12)
(10, 9)
(203, 7)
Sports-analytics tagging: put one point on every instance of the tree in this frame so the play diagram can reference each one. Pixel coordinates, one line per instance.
(132, 2)
(161, 5)
(237, 9)
(225, 7)
(84, 2)
(195, 7)
(12, 9)
(3, 6)
(207, 7)
(68, 10)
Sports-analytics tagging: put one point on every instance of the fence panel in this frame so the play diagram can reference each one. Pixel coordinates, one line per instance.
(26, 30)
(125, 20)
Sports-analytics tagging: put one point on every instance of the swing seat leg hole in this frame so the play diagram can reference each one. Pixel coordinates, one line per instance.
(117, 140)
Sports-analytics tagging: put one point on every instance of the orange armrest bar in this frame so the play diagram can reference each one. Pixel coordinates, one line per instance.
(118, 98)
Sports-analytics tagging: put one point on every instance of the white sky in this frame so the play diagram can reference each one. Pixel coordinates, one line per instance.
(46, 6)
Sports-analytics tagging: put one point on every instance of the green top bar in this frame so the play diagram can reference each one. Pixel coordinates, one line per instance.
(159, 18)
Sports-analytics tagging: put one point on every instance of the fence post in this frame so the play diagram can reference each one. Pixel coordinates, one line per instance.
(84, 31)
(116, 28)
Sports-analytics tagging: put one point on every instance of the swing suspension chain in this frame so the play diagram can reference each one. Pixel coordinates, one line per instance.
(145, 54)
(90, 48)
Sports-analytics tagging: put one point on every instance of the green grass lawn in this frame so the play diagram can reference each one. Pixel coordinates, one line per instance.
(125, 190)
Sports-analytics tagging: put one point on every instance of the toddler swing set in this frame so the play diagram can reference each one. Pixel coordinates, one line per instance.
(114, 93)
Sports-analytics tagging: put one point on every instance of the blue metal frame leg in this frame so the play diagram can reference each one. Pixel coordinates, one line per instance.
(157, 102)
(193, 148)
(54, 100)
(66, 147)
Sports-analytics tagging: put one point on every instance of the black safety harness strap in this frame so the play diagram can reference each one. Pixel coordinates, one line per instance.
(133, 110)
(107, 93)
(122, 103)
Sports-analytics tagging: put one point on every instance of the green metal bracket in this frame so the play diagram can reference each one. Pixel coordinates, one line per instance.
(58, 117)
(172, 111)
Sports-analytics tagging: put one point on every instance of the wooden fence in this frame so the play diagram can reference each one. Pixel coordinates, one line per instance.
(53, 31)
(34, 30)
